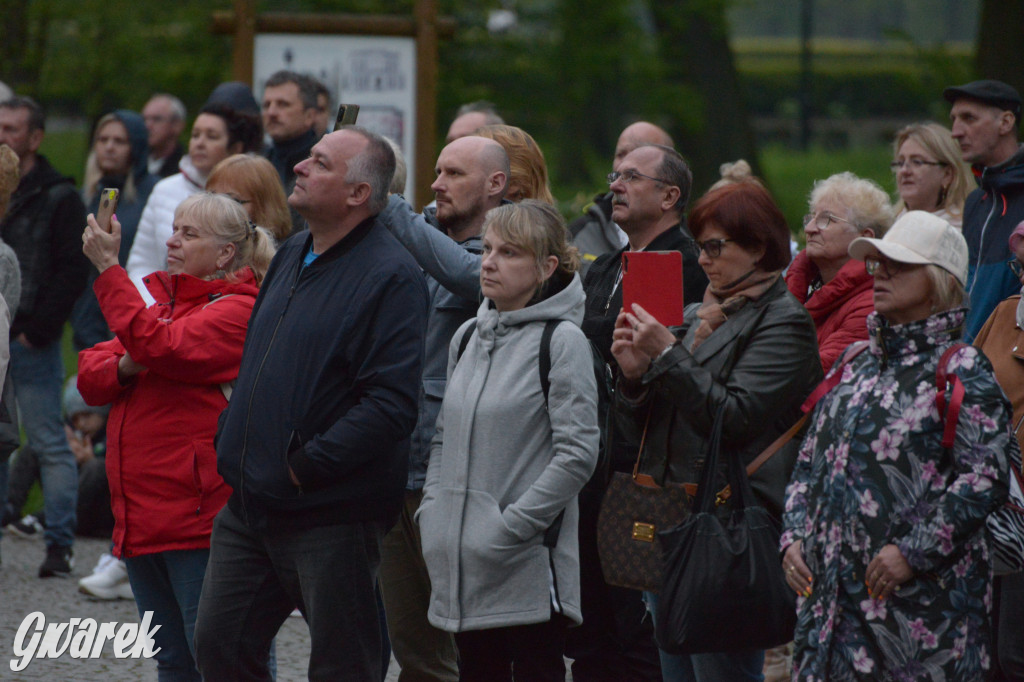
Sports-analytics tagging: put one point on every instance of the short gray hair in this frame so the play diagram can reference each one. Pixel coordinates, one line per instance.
(178, 110)
(866, 202)
(375, 166)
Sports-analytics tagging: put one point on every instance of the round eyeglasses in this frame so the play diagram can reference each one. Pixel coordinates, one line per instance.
(823, 219)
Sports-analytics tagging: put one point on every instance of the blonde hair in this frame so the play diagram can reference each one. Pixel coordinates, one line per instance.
(227, 221)
(10, 176)
(947, 291)
(401, 170)
(939, 142)
(867, 205)
(93, 174)
(254, 178)
(539, 229)
(527, 169)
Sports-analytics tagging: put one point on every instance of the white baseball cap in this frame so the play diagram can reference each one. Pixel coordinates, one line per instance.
(920, 238)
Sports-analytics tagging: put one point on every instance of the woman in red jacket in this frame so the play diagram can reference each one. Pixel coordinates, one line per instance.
(167, 375)
(836, 289)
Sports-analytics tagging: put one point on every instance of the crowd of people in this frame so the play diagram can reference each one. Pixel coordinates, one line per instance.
(297, 393)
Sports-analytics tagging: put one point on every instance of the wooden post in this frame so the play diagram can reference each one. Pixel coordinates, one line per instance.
(426, 97)
(243, 45)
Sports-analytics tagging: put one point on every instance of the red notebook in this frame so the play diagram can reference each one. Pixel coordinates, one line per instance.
(654, 279)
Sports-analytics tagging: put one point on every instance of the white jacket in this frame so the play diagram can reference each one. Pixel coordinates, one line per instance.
(149, 250)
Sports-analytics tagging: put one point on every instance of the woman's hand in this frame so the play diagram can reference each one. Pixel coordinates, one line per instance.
(798, 576)
(127, 368)
(98, 246)
(649, 336)
(632, 361)
(887, 571)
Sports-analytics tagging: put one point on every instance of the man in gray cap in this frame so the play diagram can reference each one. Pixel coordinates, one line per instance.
(985, 117)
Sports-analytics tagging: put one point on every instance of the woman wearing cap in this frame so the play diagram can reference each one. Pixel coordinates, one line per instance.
(884, 532)
(930, 172)
(1002, 341)
(835, 289)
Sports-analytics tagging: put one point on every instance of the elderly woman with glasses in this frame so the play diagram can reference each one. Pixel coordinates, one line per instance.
(884, 533)
(750, 347)
(834, 288)
(930, 172)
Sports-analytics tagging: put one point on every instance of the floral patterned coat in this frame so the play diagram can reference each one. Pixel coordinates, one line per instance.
(872, 472)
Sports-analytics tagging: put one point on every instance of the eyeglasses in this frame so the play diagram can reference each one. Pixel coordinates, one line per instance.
(891, 267)
(629, 175)
(822, 220)
(713, 247)
(1016, 267)
(916, 164)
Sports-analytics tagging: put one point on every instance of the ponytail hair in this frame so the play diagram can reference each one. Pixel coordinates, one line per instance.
(227, 221)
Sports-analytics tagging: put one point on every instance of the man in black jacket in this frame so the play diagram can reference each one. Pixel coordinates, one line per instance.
(314, 441)
(44, 226)
(650, 188)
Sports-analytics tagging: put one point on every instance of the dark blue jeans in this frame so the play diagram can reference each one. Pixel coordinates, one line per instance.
(256, 577)
(169, 585)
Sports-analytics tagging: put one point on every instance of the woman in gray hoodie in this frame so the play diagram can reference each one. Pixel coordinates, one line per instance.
(499, 515)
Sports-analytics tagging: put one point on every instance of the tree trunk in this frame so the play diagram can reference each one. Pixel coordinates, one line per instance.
(704, 96)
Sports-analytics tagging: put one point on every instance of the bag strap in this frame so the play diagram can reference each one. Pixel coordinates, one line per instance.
(946, 381)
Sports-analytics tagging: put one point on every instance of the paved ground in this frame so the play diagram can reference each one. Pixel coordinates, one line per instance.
(21, 593)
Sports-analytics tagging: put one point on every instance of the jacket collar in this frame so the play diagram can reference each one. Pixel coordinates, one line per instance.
(851, 279)
(725, 334)
(184, 288)
(923, 336)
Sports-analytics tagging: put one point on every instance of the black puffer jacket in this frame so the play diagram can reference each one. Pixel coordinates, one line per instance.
(762, 363)
(44, 227)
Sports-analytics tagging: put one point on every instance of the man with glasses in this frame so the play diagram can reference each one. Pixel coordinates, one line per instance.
(594, 233)
(985, 117)
(649, 192)
(164, 116)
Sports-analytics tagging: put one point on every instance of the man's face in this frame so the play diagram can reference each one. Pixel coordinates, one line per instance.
(321, 190)
(466, 125)
(15, 133)
(460, 187)
(161, 124)
(639, 203)
(284, 115)
(976, 127)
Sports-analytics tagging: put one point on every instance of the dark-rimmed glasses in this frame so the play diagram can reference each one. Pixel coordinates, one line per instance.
(890, 267)
(629, 175)
(1016, 267)
(713, 247)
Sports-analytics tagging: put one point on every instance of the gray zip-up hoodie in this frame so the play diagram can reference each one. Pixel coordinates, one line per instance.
(502, 467)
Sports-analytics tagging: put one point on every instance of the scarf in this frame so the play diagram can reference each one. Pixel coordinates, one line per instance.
(719, 304)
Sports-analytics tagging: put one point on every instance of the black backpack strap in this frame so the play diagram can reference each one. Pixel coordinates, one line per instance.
(544, 366)
(466, 336)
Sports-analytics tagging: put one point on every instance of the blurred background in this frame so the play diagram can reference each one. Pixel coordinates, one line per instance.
(800, 88)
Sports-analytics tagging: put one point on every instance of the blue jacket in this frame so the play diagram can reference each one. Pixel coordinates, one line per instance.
(990, 214)
(328, 385)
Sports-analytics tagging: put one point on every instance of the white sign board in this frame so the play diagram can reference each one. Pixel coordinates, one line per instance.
(376, 72)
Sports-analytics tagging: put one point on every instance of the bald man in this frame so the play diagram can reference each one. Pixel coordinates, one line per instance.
(594, 233)
(472, 173)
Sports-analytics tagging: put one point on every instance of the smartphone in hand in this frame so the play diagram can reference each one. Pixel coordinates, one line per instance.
(347, 115)
(654, 279)
(108, 205)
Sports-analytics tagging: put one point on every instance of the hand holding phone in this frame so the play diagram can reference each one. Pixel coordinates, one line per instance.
(108, 205)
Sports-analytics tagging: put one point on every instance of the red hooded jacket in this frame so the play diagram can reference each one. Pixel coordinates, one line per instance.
(839, 309)
(161, 464)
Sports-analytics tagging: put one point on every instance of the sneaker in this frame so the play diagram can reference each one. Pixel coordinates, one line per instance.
(59, 562)
(28, 527)
(109, 580)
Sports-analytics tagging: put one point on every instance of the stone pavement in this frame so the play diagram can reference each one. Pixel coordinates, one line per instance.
(22, 592)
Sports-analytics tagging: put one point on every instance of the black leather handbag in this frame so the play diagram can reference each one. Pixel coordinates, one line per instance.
(723, 588)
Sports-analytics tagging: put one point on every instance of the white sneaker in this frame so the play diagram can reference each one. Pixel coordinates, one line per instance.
(109, 580)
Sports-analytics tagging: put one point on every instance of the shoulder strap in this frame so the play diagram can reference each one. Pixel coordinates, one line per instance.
(464, 342)
(949, 387)
(544, 359)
